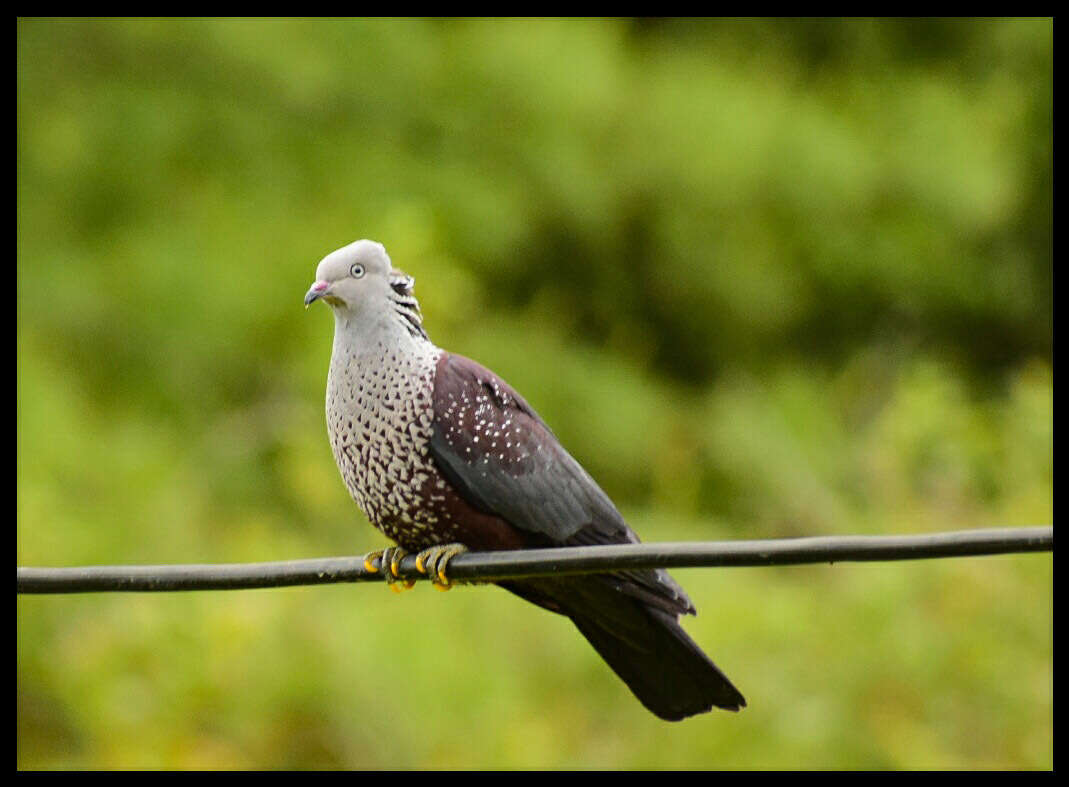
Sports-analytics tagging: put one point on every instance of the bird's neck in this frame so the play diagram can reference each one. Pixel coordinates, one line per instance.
(364, 344)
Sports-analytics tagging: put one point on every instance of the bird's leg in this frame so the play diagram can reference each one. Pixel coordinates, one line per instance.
(389, 562)
(434, 561)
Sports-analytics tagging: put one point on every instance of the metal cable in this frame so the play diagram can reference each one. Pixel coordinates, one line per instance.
(497, 566)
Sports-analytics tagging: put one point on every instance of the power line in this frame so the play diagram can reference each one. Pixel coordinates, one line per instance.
(497, 566)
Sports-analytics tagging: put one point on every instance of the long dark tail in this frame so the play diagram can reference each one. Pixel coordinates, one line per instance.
(664, 667)
(644, 645)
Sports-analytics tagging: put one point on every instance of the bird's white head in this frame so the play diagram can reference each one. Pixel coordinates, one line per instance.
(351, 275)
(363, 287)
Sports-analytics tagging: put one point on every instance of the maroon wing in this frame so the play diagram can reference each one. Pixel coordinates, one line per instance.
(507, 465)
(503, 460)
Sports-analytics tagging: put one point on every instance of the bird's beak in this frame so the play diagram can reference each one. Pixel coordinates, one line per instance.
(317, 291)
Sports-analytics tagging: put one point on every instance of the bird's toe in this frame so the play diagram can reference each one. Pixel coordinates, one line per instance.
(434, 562)
(389, 563)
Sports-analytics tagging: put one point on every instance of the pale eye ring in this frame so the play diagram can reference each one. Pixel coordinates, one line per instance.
(357, 270)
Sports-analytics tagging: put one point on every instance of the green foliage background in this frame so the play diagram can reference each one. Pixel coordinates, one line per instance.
(763, 278)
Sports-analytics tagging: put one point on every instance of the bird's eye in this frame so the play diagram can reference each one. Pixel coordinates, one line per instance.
(357, 270)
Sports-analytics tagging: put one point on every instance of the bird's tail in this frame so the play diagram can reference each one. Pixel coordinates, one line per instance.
(639, 635)
(658, 661)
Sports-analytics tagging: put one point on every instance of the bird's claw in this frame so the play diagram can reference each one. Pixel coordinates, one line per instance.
(389, 560)
(434, 561)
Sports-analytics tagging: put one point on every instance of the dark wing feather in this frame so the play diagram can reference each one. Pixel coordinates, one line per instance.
(509, 463)
(504, 460)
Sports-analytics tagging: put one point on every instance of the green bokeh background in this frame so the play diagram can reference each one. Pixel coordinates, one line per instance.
(764, 279)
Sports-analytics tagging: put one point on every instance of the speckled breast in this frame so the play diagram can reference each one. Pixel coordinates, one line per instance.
(380, 421)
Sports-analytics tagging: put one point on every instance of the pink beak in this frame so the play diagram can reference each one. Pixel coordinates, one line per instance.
(317, 291)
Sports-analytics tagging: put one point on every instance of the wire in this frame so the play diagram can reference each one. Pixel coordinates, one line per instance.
(498, 566)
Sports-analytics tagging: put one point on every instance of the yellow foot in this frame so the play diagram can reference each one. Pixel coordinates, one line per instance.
(435, 560)
(389, 560)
